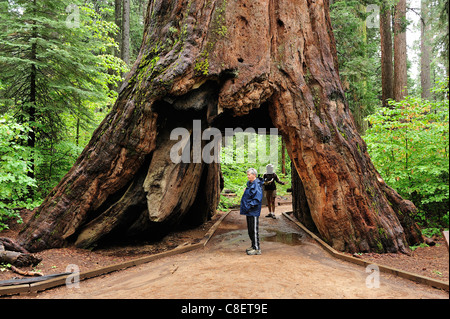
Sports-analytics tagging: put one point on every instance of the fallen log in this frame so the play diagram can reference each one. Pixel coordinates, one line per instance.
(18, 259)
(9, 244)
(13, 254)
(15, 258)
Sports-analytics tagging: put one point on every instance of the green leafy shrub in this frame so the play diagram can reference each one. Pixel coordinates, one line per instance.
(409, 145)
(15, 184)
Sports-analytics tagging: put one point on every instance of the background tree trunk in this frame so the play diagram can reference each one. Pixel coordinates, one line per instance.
(387, 68)
(425, 51)
(400, 56)
(118, 20)
(126, 32)
(224, 63)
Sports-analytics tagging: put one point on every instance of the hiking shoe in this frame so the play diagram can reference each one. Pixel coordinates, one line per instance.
(248, 249)
(269, 215)
(254, 252)
(273, 216)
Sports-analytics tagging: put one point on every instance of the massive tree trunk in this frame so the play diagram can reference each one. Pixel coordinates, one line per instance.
(223, 63)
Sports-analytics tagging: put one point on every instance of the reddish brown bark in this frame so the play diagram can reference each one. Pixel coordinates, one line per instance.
(387, 68)
(400, 56)
(218, 61)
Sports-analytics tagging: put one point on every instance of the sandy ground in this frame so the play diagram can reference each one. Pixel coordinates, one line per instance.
(292, 266)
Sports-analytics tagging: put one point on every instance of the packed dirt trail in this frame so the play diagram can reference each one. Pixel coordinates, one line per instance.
(291, 266)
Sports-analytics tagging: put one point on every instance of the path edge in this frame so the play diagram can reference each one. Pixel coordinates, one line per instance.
(385, 269)
(34, 288)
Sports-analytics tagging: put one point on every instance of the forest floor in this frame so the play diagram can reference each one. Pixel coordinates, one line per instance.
(55, 261)
(284, 245)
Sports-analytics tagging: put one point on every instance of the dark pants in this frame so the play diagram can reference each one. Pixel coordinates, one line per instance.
(253, 231)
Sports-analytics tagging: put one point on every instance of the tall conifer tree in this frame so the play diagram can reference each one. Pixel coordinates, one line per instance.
(53, 62)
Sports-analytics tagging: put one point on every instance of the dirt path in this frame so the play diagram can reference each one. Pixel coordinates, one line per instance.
(291, 266)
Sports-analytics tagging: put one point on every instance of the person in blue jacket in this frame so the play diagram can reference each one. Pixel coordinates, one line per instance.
(251, 207)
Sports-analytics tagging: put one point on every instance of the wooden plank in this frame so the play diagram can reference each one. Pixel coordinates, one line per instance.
(44, 285)
(14, 290)
(213, 229)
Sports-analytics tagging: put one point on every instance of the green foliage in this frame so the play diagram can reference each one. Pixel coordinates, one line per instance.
(409, 145)
(439, 16)
(432, 231)
(58, 78)
(54, 61)
(357, 50)
(202, 64)
(55, 157)
(105, 11)
(4, 267)
(57, 75)
(14, 168)
(422, 245)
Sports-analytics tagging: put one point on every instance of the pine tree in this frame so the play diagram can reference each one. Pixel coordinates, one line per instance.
(53, 62)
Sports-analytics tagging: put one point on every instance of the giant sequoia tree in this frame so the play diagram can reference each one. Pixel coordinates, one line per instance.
(258, 63)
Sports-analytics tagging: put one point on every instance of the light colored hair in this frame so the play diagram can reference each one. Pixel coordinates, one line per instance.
(252, 171)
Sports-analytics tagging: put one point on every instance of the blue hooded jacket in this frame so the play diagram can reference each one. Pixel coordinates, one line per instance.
(252, 199)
